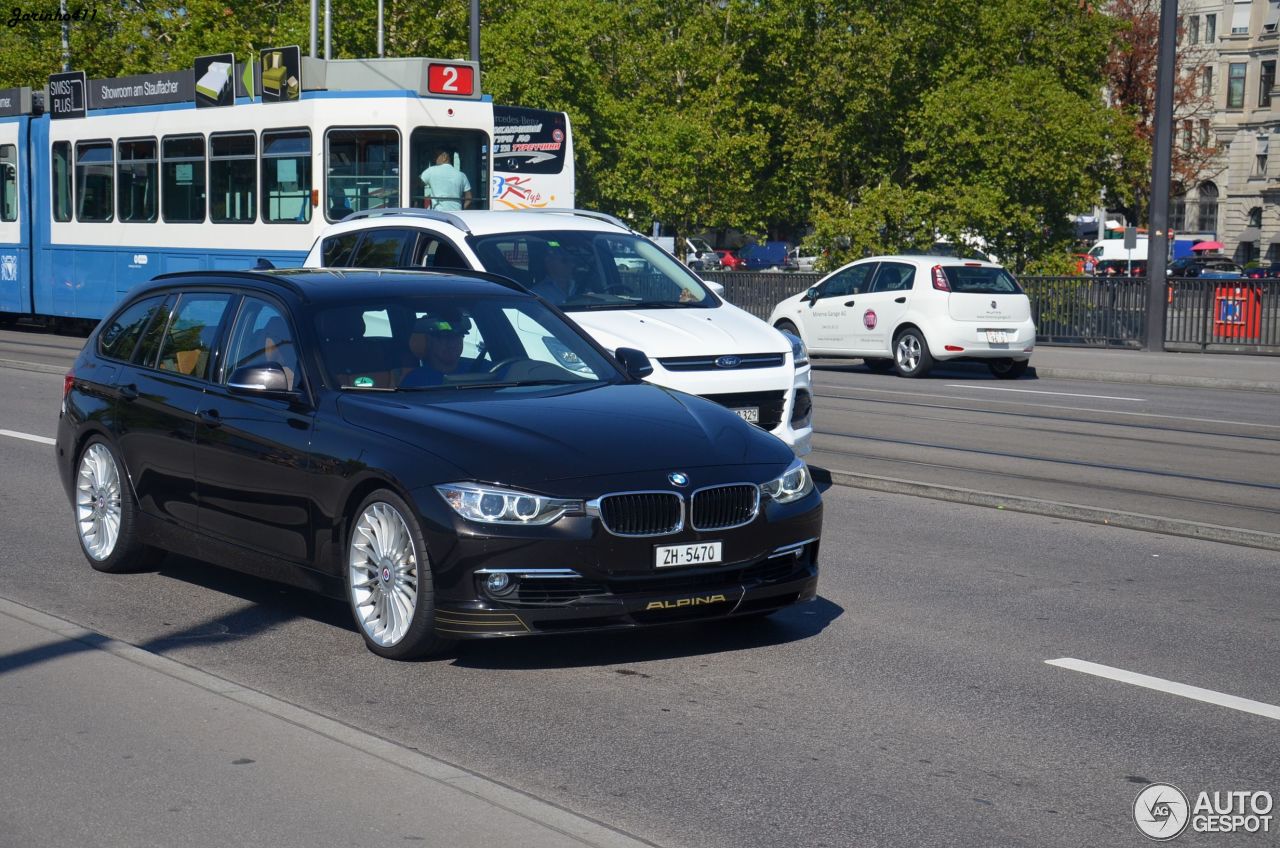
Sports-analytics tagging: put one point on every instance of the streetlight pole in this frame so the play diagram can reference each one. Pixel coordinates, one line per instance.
(315, 25)
(475, 30)
(1161, 175)
(66, 37)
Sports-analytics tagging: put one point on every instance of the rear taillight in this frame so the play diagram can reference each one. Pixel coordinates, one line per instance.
(67, 382)
(940, 279)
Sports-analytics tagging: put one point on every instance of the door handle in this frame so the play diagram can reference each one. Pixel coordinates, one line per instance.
(210, 417)
(848, 303)
(899, 300)
(129, 392)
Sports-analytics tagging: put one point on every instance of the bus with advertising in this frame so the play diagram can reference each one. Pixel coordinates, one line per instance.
(107, 183)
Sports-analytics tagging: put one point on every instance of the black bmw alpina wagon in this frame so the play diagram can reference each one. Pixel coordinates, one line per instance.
(446, 451)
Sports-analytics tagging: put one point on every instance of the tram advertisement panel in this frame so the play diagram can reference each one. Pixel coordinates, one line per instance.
(15, 101)
(281, 74)
(214, 86)
(66, 95)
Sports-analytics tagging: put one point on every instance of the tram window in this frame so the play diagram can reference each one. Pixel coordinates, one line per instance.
(183, 168)
(8, 182)
(138, 176)
(286, 176)
(233, 178)
(61, 166)
(470, 153)
(93, 181)
(362, 168)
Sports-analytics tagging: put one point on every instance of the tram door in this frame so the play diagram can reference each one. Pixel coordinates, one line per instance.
(15, 255)
(466, 150)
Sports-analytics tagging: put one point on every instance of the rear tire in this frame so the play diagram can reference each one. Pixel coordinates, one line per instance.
(389, 583)
(106, 513)
(1008, 369)
(911, 354)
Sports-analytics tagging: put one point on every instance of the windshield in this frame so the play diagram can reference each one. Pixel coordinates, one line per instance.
(967, 279)
(580, 270)
(409, 343)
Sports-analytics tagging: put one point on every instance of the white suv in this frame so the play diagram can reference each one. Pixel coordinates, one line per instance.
(907, 312)
(619, 286)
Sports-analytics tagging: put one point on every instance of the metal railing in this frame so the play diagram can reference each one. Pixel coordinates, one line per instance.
(1231, 316)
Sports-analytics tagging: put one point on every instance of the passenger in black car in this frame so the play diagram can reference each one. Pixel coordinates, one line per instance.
(436, 345)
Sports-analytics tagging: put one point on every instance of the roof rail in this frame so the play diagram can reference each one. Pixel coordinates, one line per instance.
(432, 214)
(586, 213)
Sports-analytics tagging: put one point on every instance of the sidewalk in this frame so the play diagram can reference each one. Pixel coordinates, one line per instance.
(105, 744)
(1196, 370)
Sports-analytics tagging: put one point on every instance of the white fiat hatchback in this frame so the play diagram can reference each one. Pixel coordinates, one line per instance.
(908, 312)
(619, 286)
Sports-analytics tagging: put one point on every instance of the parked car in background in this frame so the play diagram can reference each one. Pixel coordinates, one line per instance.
(802, 258)
(731, 261)
(1221, 267)
(618, 285)
(770, 256)
(906, 312)
(1120, 268)
(1268, 272)
(701, 256)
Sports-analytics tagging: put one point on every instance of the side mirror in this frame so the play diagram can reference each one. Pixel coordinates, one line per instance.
(261, 380)
(812, 295)
(634, 362)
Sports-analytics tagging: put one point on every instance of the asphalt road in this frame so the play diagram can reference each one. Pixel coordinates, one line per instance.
(1202, 455)
(910, 705)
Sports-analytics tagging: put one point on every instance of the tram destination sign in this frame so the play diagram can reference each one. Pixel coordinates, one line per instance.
(142, 90)
(15, 101)
(67, 95)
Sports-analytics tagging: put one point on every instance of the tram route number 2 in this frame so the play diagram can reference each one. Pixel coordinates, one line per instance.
(455, 80)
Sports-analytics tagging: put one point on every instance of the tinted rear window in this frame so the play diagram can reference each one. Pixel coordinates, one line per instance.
(969, 280)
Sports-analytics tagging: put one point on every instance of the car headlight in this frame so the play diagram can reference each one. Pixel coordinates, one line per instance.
(799, 352)
(492, 505)
(794, 484)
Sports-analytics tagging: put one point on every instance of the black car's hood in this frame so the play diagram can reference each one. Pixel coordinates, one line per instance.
(529, 436)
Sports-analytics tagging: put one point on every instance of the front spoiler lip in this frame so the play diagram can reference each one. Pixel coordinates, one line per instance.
(614, 612)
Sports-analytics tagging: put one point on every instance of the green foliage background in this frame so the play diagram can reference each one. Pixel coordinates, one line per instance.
(881, 122)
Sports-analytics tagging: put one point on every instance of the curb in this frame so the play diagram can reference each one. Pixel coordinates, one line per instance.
(1157, 379)
(1056, 509)
(575, 828)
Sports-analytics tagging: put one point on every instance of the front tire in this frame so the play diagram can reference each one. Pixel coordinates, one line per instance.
(106, 513)
(911, 354)
(1008, 369)
(389, 581)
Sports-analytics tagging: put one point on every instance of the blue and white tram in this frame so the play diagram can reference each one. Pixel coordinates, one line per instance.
(91, 206)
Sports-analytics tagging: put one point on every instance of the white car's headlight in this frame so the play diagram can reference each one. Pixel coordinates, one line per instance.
(492, 505)
(799, 353)
(795, 483)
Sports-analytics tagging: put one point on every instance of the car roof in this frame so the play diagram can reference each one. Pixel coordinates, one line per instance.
(483, 222)
(922, 259)
(320, 285)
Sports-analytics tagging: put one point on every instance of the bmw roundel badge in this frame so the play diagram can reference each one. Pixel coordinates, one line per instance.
(678, 478)
(729, 361)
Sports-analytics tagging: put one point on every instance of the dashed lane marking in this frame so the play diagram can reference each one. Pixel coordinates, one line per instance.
(13, 434)
(1159, 684)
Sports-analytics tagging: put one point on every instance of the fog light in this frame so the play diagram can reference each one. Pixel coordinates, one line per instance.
(498, 584)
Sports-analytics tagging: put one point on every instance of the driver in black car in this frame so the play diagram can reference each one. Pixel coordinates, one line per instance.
(436, 346)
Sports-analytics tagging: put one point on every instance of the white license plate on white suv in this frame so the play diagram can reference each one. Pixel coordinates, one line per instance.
(999, 336)
(703, 553)
(748, 413)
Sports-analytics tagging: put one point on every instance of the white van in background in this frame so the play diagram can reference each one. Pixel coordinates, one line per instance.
(1115, 249)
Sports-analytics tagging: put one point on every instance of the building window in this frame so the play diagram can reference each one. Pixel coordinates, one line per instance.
(1188, 136)
(1204, 132)
(1262, 145)
(1208, 208)
(1193, 29)
(1206, 81)
(1178, 209)
(138, 175)
(286, 177)
(1210, 28)
(1255, 216)
(1273, 16)
(1235, 85)
(1179, 30)
(183, 172)
(1240, 17)
(1266, 83)
(93, 181)
(233, 178)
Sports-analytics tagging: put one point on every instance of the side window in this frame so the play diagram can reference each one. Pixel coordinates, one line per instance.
(362, 170)
(286, 177)
(137, 174)
(433, 252)
(155, 333)
(183, 168)
(508, 256)
(94, 168)
(119, 338)
(849, 281)
(60, 165)
(338, 250)
(8, 182)
(894, 276)
(381, 248)
(188, 342)
(233, 178)
(262, 336)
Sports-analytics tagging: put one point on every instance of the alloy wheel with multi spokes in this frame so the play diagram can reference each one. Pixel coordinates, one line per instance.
(911, 355)
(389, 579)
(105, 511)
